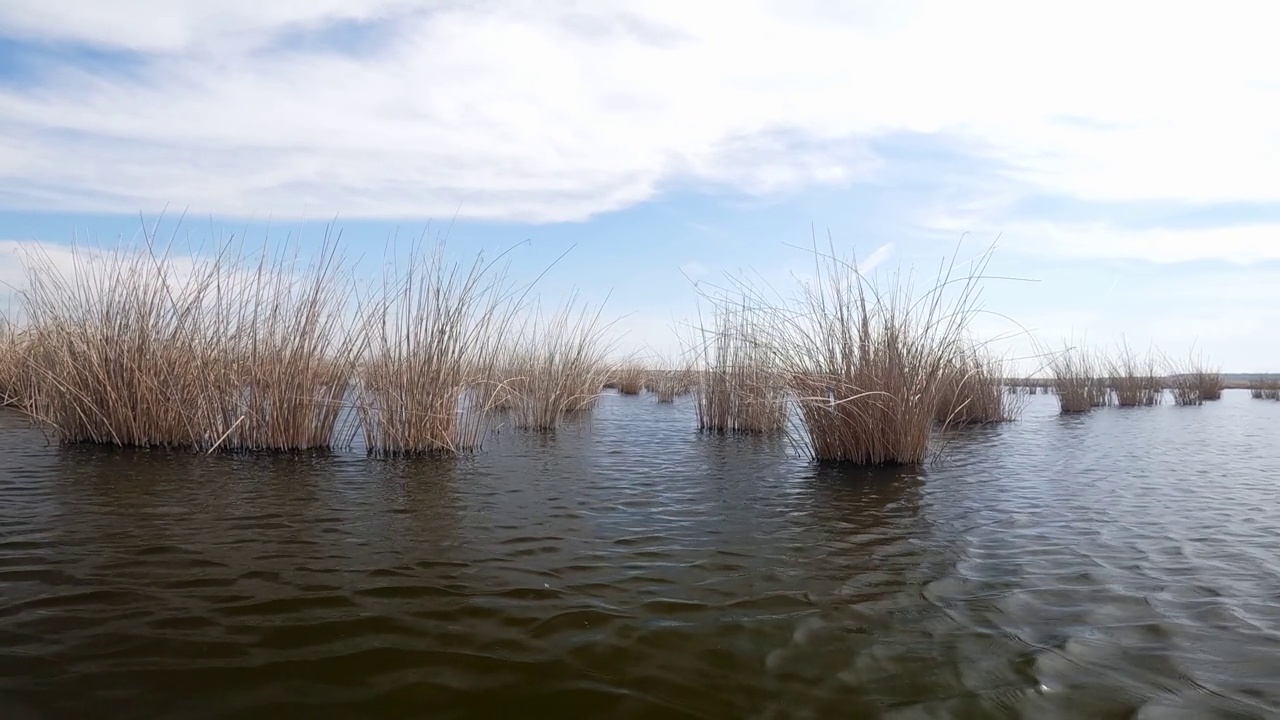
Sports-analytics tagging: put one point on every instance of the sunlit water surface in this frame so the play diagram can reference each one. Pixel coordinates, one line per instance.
(1117, 565)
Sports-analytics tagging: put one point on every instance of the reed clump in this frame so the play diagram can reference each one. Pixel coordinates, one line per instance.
(668, 384)
(1075, 382)
(868, 363)
(1135, 379)
(557, 366)
(1265, 389)
(740, 389)
(629, 379)
(138, 349)
(1194, 383)
(426, 383)
(16, 380)
(970, 391)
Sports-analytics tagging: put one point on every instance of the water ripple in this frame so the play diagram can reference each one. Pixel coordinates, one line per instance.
(1121, 564)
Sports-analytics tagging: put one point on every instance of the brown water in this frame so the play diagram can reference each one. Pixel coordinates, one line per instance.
(1118, 565)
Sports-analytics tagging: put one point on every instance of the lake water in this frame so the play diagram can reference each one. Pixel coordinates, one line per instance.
(1122, 564)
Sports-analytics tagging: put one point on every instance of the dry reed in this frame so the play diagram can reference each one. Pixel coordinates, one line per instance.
(1135, 380)
(867, 363)
(138, 349)
(739, 389)
(427, 384)
(557, 366)
(970, 391)
(1074, 381)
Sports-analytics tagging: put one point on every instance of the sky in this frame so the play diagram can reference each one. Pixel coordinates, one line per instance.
(1124, 158)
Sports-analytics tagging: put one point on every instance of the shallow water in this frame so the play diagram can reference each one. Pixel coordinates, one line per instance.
(1121, 564)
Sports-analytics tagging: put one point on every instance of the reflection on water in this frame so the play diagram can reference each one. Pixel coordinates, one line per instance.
(1120, 564)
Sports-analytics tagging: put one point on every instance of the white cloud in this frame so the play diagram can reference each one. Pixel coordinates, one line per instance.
(1242, 244)
(522, 110)
(694, 270)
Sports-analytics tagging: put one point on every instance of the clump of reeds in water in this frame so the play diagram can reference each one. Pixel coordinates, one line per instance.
(557, 366)
(1136, 379)
(1074, 381)
(137, 348)
(668, 384)
(970, 392)
(869, 364)
(1194, 384)
(1265, 389)
(16, 381)
(629, 379)
(427, 383)
(1210, 384)
(740, 389)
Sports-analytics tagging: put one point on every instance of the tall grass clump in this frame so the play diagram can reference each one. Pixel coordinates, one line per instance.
(557, 366)
(869, 363)
(435, 345)
(740, 389)
(1074, 381)
(1265, 389)
(669, 384)
(1135, 379)
(970, 391)
(1194, 383)
(629, 378)
(16, 386)
(137, 347)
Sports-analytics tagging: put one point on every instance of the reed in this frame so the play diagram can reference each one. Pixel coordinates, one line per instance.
(16, 380)
(558, 366)
(1185, 388)
(1211, 384)
(136, 348)
(1074, 381)
(868, 363)
(1135, 379)
(740, 388)
(669, 384)
(1194, 383)
(426, 384)
(629, 379)
(970, 391)
(1265, 389)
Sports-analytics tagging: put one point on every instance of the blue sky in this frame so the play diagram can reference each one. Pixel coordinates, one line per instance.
(1125, 157)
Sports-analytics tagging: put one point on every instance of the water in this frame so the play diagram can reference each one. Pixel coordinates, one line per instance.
(1117, 565)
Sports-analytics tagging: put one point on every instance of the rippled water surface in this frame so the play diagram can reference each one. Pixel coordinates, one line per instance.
(1117, 565)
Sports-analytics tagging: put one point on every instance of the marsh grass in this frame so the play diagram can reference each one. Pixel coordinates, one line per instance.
(1194, 383)
(16, 381)
(134, 348)
(868, 362)
(739, 388)
(1074, 380)
(426, 385)
(629, 378)
(1265, 389)
(1136, 380)
(970, 391)
(557, 366)
(669, 384)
